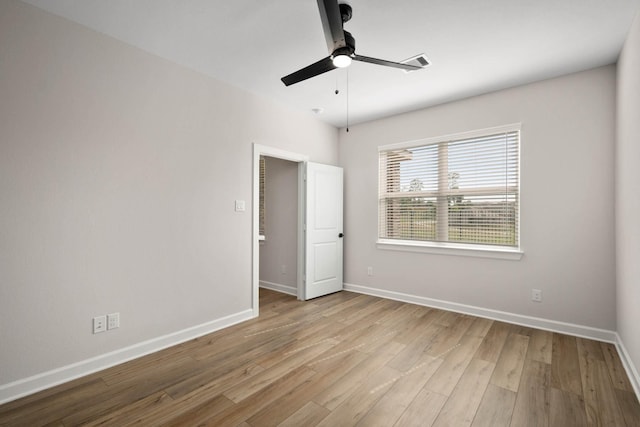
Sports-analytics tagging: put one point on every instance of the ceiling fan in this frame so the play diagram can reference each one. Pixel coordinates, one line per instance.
(341, 45)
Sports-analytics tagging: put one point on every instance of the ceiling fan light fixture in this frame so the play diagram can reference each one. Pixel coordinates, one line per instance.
(341, 60)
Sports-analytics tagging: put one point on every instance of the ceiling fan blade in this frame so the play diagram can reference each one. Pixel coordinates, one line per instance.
(385, 63)
(332, 24)
(312, 70)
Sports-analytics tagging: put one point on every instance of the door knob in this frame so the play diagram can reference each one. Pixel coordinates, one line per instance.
(341, 235)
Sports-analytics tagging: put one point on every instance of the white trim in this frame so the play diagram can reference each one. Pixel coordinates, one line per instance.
(629, 367)
(285, 289)
(451, 137)
(518, 319)
(263, 150)
(20, 388)
(480, 251)
(279, 154)
(302, 237)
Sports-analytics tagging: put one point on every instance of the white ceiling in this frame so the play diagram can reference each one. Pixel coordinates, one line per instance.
(475, 46)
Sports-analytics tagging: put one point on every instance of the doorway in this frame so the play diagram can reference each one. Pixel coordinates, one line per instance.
(278, 225)
(299, 161)
(319, 225)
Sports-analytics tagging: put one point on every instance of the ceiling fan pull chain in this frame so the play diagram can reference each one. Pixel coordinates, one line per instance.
(347, 100)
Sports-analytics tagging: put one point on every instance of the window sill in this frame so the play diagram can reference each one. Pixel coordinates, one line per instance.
(457, 249)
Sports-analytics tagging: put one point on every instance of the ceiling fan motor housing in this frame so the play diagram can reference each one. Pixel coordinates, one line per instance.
(350, 47)
(345, 12)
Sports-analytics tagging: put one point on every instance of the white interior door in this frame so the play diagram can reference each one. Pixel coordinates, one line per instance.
(323, 236)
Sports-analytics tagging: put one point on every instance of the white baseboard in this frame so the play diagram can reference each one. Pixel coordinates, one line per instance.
(632, 372)
(285, 289)
(518, 319)
(33, 384)
(533, 322)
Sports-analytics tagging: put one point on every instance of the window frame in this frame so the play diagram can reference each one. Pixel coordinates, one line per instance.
(452, 248)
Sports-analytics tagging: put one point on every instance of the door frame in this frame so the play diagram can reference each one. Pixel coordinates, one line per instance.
(300, 159)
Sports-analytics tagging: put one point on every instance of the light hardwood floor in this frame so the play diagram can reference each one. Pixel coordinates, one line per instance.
(349, 359)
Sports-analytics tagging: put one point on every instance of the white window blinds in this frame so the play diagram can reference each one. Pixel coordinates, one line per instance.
(261, 230)
(461, 190)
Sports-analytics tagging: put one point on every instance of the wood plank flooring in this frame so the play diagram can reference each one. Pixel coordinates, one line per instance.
(351, 360)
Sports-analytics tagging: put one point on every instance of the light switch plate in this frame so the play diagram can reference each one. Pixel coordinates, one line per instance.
(113, 320)
(240, 206)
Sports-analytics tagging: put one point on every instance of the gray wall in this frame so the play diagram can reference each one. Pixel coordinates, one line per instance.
(118, 175)
(628, 195)
(567, 203)
(281, 225)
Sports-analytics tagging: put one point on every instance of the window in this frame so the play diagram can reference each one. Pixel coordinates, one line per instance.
(456, 191)
(261, 197)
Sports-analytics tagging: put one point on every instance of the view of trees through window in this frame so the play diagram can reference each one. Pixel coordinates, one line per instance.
(463, 191)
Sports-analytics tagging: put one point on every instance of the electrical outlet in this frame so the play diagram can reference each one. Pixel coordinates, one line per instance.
(369, 271)
(99, 324)
(536, 295)
(283, 269)
(113, 320)
(240, 206)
